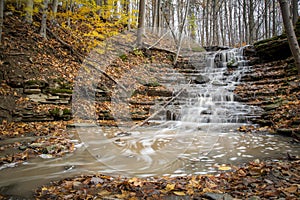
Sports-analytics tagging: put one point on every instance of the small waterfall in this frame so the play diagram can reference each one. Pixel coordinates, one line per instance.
(214, 100)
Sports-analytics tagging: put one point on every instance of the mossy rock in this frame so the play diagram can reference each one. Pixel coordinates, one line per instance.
(40, 83)
(276, 48)
(61, 90)
(58, 114)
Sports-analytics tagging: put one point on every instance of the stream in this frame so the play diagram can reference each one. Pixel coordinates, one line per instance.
(195, 134)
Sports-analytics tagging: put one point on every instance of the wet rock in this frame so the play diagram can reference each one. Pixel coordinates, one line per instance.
(218, 83)
(201, 79)
(23, 147)
(285, 131)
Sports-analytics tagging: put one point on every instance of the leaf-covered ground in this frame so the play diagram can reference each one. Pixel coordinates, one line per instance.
(255, 180)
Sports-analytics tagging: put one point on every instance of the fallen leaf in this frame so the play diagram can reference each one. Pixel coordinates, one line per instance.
(170, 187)
(179, 193)
(291, 189)
(224, 168)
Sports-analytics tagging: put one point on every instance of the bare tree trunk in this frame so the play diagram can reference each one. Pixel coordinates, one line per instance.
(251, 21)
(214, 23)
(181, 31)
(266, 11)
(203, 26)
(29, 11)
(293, 43)
(274, 19)
(141, 23)
(230, 21)
(54, 10)
(295, 11)
(240, 25)
(129, 13)
(246, 33)
(43, 30)
(206, 23)
(1, 18)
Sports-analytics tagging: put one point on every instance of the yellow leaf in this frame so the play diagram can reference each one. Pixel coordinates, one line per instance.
(170, 187)
(179, 193)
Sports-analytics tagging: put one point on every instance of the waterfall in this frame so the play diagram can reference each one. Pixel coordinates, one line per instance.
(214, 101)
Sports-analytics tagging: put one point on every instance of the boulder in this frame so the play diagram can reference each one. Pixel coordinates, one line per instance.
(201, 79)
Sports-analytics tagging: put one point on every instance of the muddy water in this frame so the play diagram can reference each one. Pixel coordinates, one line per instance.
(141, 154)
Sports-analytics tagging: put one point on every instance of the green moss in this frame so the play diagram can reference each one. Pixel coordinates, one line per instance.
(153, 84)
(32, 82)
(138, 52)
(62, 90)
(55, 112)
(66, 111)
(123, 57)
(67, 86)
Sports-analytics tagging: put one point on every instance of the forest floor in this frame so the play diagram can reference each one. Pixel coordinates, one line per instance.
(26, 56)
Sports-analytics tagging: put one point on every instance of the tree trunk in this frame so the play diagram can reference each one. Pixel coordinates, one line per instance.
(266, 11)
(295, 11)
(292, 39)
(274, 32)
(214, 23)
(246, 33)
(129, 13)
(29, 11)
(54, 10)
(206, 23)
(43, 30)
(141, 23)
(181, 31)
(1, 18)
(251, 21)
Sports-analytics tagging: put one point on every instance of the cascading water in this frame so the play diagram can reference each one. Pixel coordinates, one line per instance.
(214, 100)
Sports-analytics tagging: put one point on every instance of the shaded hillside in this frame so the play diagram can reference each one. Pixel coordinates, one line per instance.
(273, 85)
(275, 48)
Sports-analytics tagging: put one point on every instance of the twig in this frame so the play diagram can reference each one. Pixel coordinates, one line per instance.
(159, 110)
(60, 40)
(148, 46)
(14, 54)
(104, 73)
(158, 40)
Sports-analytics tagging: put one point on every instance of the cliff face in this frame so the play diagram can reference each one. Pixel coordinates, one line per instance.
(275, 48)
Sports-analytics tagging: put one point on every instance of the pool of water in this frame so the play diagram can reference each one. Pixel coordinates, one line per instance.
(144, 153)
